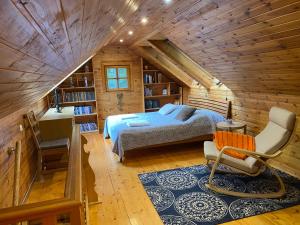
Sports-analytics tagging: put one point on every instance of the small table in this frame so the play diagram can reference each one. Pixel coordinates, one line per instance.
(232, 126)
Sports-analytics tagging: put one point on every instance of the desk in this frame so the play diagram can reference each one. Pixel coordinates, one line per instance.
(54, 125)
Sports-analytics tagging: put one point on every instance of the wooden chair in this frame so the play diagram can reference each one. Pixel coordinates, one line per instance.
(52, 154)
(269, 144)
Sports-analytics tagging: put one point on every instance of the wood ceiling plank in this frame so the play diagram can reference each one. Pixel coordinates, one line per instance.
(183, 61)
(8, 52)
(256, 44)
(7, 76)
(47, 20)
(164, 63)
(16, 60)
(8, 87)
(17, 32)
(18, 102)
(243, 18)
(227, 22)
(89, 19)
(159, 15)
(73, 17)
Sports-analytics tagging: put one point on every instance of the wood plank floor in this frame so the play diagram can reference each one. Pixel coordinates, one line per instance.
(123, 199)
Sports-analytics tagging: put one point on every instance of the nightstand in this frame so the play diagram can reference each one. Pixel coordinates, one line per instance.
(232, 126)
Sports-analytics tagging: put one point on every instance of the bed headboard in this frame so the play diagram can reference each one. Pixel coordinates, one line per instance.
(221, 106)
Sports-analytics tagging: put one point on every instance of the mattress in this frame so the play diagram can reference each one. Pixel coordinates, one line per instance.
(161, 129)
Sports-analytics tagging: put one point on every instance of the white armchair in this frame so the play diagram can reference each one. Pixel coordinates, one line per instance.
(269, 144)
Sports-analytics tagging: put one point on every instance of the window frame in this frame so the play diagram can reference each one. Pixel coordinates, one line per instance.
(105, 66)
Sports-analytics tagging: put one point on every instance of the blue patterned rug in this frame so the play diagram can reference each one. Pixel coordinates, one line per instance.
(181, 198)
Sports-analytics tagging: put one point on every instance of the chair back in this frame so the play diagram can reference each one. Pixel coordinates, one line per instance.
(278, 131)
(35, 129)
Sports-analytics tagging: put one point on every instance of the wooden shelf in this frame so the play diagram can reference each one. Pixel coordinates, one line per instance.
(90, 88)
(152, 109)
(75, 91)
(162, 96)
(165, 83)
(85, 115)
(162, 83)
(78, 103)
(90, 131)
(151, 70)
(83, 73)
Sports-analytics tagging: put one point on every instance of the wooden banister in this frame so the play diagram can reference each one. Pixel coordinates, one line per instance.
(48, 211)
(73, 186)
(37, 210)
(17, 174)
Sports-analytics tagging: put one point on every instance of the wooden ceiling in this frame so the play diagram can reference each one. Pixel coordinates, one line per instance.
(250, 45)
(42, 41)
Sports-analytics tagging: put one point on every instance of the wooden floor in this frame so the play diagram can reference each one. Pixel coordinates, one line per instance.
(123, 199)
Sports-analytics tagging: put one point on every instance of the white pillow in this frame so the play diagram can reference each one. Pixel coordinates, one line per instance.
(167, 109)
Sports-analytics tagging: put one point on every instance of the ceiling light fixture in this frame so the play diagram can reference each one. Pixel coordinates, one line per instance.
(130, 32)
(121, 40)
(144, 20)
(168, 2)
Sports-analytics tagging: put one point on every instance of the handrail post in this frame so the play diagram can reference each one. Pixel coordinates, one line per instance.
(16, 191)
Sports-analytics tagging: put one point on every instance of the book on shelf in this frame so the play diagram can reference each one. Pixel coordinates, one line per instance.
(79, 96)
(83, 110)
(148, 92)
(149, 79)
(149, 104)
(84, 127)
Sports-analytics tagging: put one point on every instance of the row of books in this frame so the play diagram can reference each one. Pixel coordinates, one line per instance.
(150, 78)
(84, 127)
(79, 96)
(149, 92)
(149, 104)
(83, 110)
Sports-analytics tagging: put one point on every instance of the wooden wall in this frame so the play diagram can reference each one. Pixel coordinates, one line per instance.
(107, 102)
(253, 108)
(9, 134)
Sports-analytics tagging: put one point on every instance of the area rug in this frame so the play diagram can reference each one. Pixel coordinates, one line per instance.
(181, 197)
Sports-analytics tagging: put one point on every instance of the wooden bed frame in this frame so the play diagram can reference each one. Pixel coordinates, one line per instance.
(221, 106)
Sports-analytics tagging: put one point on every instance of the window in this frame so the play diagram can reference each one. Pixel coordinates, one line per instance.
(117, 77)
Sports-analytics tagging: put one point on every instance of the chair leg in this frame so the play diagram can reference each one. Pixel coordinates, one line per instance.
(277, 194)
(39, 165)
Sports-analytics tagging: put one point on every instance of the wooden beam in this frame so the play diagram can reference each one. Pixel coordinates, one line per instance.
(163, 63)
(184, 62)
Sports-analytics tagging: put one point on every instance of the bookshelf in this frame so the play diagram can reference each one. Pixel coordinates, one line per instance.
(78, 90)
(159, 89)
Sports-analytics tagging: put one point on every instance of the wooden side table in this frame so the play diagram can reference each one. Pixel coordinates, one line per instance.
(232, 126)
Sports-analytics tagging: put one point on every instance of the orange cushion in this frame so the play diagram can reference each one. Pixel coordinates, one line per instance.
(225, 138)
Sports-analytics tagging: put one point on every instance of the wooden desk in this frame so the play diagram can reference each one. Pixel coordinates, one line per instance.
(54, 125)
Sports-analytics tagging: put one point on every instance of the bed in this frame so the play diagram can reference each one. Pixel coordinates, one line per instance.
(161, 129)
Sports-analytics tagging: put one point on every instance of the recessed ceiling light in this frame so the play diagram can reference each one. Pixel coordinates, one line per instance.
(130, 32)
(121, 40)
(168, 1)
(144, 20)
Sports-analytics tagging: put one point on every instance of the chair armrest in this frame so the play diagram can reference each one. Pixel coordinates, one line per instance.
(250, 153)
